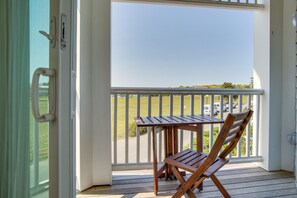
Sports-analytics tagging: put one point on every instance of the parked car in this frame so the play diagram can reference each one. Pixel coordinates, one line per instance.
(207, 110)
(217, 105)
(234, 106)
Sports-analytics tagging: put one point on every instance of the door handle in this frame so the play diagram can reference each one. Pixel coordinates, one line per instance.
(49, 117)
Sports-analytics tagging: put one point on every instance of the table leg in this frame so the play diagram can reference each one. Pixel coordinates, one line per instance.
(175, 140)
(166, 150)
(169, 142)
(155, 167)
(199, 138)
(169, 148)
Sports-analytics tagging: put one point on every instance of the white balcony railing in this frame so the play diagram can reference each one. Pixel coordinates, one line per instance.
(245, 4)
(133, 151)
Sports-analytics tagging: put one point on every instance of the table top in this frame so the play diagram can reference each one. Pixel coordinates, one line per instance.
(175, 120)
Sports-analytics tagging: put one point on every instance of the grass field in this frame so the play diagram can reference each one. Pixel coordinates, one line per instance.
(42, 129)
(121, 106)
(121, 116)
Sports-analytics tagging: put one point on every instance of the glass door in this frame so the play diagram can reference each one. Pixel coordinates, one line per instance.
(51, 139)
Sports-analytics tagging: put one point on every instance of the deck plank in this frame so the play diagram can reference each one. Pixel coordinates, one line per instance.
(240, 182)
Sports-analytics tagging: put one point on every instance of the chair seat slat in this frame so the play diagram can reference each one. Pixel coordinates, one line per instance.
(187, 156)
(219, 163)
(179, 165)
(197, 160)
(187, 161)
(180, 154)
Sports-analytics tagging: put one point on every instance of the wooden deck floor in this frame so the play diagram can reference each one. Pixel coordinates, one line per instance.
(239, 180)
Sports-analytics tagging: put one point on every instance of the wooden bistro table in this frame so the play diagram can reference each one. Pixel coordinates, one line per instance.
(170, 125)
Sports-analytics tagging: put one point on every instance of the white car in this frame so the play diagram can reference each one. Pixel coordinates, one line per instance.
(234, 106)
(217, 106)
(207, 110)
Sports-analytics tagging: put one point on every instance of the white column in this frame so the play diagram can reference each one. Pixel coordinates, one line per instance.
(93, 150)
(288, 94)
(261, 75)
(268, 76)
(84, 133)
(101, 92)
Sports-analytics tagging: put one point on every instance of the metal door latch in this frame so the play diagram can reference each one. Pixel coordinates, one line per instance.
(292, 138)
(52, 35)
(63, 31)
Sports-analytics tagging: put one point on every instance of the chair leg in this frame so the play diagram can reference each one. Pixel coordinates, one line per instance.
(181, 180)
(181, 192)
(198, 183)
(220, 186)
(177, 174)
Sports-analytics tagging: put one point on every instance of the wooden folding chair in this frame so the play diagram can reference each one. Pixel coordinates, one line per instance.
(203, 166)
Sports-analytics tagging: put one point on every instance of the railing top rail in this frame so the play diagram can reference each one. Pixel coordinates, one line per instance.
(185, 91)
(208, 3)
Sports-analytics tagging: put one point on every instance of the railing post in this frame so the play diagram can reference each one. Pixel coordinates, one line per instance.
(248, 130)
(160, 134)
(192, 113)
(256, 121)
(137, 130)
(149, 144)
(240, 110)
(181, 139)
(211, 126)
(127, 130)
(115, 128)
(36, 153)
(202, 113)
(171, 105)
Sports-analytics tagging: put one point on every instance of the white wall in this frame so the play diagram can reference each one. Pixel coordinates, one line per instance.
(274, 73)
(84, 159)
(275, 81)
(261, 75)
(101, 83)
(93, 159)
(288, 88)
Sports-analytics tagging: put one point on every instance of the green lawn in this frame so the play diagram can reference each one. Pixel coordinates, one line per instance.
(121, 117)
(42, 132)
(215, 133)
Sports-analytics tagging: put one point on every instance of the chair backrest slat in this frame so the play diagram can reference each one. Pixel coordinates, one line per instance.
(237, 123)
(230, 138)
(233, 131)
(236, 132)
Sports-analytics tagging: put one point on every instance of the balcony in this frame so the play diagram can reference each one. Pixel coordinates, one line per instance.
(132, 156)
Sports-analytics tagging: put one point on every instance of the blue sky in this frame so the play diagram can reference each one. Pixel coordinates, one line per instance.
(169, 46)
(39, 45)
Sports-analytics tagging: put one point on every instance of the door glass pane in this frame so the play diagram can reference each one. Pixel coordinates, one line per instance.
(39, 132)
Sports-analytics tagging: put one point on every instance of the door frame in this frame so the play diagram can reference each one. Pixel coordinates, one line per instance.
(62, 131)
